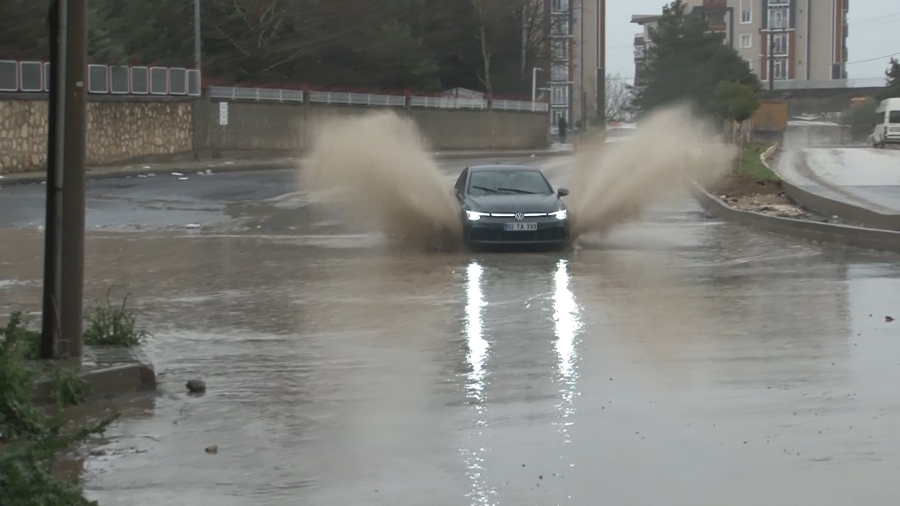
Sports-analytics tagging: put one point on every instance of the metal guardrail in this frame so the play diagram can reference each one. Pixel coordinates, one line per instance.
(34, 77)
(370, 99)
(237, 93)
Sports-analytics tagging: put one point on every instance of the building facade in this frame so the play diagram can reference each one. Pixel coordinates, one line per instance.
(561, 17)
(793, 40)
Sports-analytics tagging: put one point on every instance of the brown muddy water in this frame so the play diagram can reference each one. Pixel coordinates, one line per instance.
(676, 361)
(673, 361)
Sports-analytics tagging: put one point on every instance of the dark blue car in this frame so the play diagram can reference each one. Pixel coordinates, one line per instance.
(511, 205)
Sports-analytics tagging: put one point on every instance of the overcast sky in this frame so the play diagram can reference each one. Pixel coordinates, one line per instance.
(873, 28)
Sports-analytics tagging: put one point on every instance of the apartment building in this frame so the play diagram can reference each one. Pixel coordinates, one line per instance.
(561, 21)
(795, 40)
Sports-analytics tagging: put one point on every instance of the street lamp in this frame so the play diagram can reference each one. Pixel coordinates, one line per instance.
(534, 72)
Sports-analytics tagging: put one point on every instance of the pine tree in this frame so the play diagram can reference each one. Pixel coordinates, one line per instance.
(686, 63)
(892, 75)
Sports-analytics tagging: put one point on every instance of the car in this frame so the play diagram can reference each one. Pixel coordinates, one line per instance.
(620, 132)
(511, 205)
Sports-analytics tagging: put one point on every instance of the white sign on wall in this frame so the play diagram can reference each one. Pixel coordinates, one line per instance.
(223, 113)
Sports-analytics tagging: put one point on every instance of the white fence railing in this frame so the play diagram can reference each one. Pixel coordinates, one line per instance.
(370, 99)
(34, 77)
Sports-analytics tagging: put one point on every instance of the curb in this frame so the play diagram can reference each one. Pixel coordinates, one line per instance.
(868, 238)
(111, 380)
(13, 179)
(830, 207)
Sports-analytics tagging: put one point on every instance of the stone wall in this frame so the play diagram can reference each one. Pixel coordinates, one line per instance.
(117, 130)
(284, 127)
(123, 129)
(23, 135)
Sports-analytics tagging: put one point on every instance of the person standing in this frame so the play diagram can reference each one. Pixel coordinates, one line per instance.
(561, 125)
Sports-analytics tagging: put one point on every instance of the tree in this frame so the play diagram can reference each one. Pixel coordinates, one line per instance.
(392, 45)
(736, 103)
(892, 78)
(686, 63)
(618, 99)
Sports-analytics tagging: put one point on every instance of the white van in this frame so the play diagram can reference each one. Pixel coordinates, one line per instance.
(887, 128)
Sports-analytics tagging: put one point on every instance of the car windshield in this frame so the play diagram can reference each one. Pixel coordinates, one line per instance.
(894, 117)
(508, 182)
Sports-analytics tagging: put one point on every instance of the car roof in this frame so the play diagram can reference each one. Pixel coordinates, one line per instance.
(478, 168)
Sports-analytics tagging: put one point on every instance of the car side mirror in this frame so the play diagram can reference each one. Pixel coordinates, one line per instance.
(562, 192)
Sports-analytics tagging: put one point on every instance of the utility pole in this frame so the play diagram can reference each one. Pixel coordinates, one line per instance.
(601, 64)
(771, 60)
(74, 150)
(197, 34)
(524, 37)
(582, 94)
(50, 314)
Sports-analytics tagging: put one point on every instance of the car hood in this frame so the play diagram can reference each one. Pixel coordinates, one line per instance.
(514, 203)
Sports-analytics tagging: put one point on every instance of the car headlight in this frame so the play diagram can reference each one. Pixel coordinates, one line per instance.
(475, 216)
(561, 214)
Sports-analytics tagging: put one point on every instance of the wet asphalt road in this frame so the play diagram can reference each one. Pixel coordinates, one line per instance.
(681, 361)
(864, 177)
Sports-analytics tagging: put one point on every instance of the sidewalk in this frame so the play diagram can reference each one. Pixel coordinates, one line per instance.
(244, 164)
(858, 183)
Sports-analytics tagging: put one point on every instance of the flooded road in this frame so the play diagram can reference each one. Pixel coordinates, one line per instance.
(680, 361)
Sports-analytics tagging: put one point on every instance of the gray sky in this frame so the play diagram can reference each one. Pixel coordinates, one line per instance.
(873, 28)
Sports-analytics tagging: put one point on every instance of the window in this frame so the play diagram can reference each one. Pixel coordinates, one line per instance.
(559, 73)
(746, 41)
(560, 95)
(778, 18)
(560, 25)
(560, 49)
(780, 41)
(746, 17)
(461, 182)
(894, 117)
(560, 5)
(780, 66)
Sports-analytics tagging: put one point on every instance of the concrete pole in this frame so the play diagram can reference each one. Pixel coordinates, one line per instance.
(197, 34)
(601, 64)
(50, 325)
(75, 140)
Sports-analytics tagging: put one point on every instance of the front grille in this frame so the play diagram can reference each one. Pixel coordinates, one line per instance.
(500, 235)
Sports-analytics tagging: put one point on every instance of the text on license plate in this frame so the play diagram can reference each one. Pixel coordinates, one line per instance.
(519, 227)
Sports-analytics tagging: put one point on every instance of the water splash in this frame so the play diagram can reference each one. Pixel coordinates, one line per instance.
(378, 170)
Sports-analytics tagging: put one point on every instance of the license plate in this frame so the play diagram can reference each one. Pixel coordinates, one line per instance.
(519, 227)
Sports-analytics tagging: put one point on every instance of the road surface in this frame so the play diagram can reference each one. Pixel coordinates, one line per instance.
(864, 177)
(680, 361)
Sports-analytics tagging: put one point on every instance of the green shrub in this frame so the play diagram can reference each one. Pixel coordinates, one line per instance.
(109, 324)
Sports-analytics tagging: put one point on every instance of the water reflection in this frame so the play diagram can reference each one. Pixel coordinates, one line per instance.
(475, 382)
(567, 326)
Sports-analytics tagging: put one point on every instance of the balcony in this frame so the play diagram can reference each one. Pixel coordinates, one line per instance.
(639, 52)
(715, 4)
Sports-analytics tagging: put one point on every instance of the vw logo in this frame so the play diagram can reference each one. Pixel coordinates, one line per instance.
(520, 216)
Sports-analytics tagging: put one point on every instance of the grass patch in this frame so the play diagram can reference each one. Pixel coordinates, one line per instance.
(111, 324)
(31, 438)
(753, 167)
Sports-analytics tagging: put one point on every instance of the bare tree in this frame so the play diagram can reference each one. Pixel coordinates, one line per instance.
(618, 98)
(485, 75)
